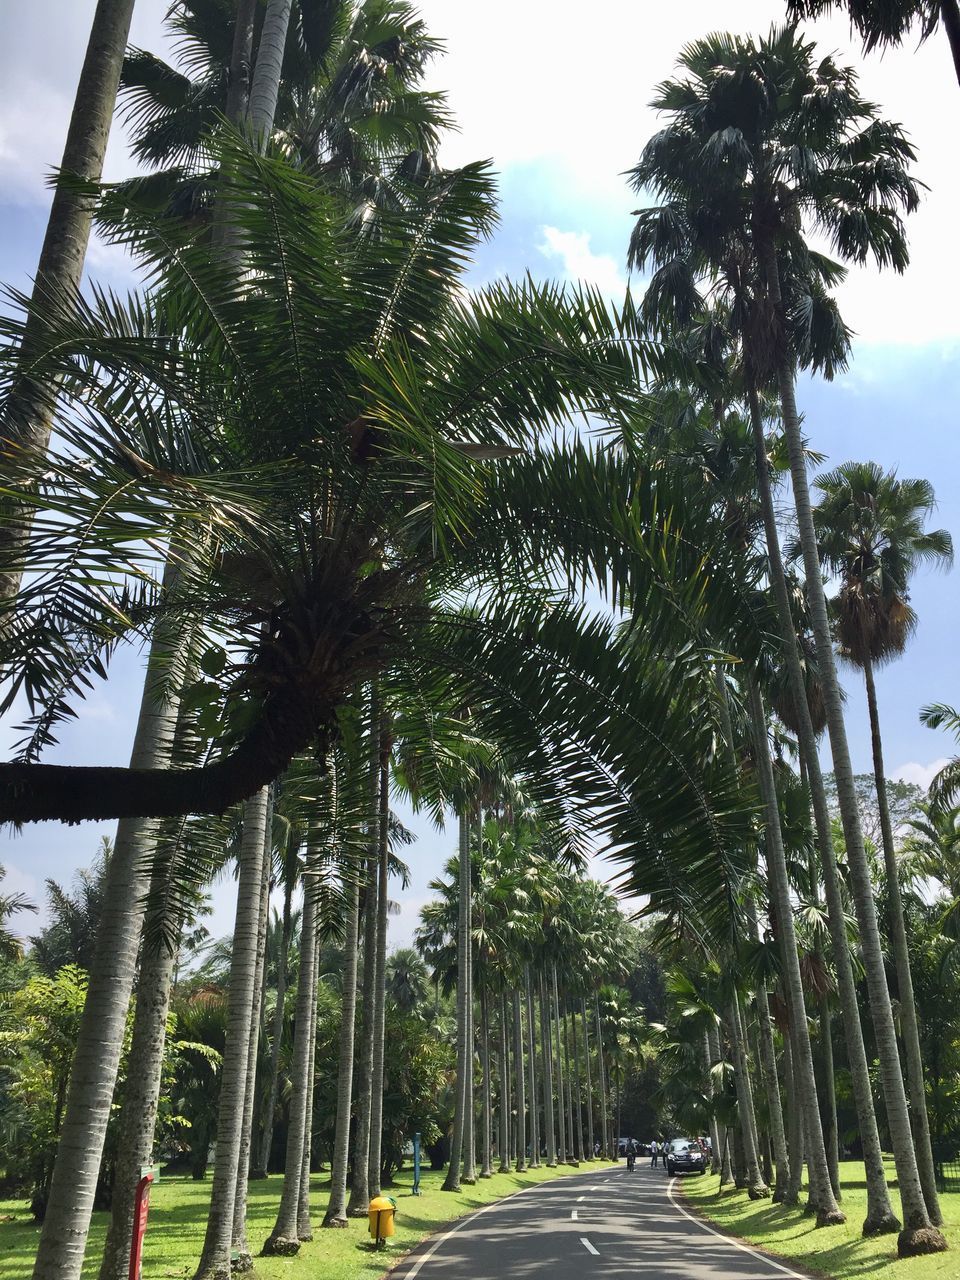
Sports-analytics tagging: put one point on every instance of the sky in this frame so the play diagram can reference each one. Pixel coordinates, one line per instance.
(556, 94)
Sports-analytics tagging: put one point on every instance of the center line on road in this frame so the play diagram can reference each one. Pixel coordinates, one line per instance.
(588, 1246)
(573, 1215)
(581, 1198)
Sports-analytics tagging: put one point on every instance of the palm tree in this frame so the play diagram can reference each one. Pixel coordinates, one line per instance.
(407, 981)
(871, 536)
(384, 742)
(11, 947)
(882, 24)
(744, 109)
(27, 414)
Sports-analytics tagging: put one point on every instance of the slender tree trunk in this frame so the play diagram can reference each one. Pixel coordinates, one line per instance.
(821, 1192)
(577, 1086)
(486, 1169)
(880, 1217)
(304, 1223)
(286, 930)
(918, 1234)
(794, 1124)
(569, 1079)
(831, 1134)
(950, 12)
(241, 1255)
(771, 1083)
(283, 1240)
(96, 1058)
(909, 1031)
(518, 1067)
(504, 1089)
(28, 416)
(336, 1214)
(532, 1073)
(469, 1175)
(591, 1136)
(602, 1076)
(265, 88)
(452, 1180)
(215, 1257)
(714, 1129)
(546, 1055)
(756, 1187)
(360, 1185)
(564, 1154)
(380, 977)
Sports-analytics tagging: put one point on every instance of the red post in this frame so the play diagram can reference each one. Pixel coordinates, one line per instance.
(141, 1207)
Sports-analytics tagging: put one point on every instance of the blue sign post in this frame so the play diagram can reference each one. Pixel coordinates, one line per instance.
(416, 1164)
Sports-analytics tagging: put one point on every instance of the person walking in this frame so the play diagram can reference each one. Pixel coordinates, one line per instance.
(654, 1152)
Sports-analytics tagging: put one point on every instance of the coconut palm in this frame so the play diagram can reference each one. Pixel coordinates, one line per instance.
(11, 904)
(882, 24)
(871, 537)
(27, 414)
(742, 116)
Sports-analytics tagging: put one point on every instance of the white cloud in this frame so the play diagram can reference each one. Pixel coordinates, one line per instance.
(579, 261)
(16, 881)
(921, 774)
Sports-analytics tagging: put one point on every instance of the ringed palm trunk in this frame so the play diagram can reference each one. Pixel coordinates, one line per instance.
(821, 1192)
(521, 1088)
(265, 87)
(591, 1137)
(918, 1234)
(242, 1259)
(756, 1186)
(768, 1067)
(714, 1129)
(546, 1057)
(504, 1089)
(880, 1216)
(486, 1154)
(266, 1142)
(602, 1078)
(532, 1074)
(831, 1133)
(283, 1240)
(336, 1214)
(564, 1150)
(96, 1058)
(452, 1180)
(380, 974)
(573, 1148)
(29, 410)
(909, 1031)
(469, 1175)
(577, 1086)
(304, 1224)
(215, 1257)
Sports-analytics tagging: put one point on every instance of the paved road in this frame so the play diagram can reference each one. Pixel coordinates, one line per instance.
(592, 1226)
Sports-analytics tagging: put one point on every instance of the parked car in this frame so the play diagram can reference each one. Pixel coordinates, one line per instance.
(685, 1155)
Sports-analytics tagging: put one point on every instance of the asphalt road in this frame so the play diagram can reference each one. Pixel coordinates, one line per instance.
(591, 1226)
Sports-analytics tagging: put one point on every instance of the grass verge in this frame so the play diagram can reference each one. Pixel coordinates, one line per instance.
(178, 1211)
(838, 1252)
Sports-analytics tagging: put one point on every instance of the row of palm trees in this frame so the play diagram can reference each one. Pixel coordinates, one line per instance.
(374, 546)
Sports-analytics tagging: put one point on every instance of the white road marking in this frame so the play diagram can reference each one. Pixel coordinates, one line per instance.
(734, 1244)
(494, 1204)
(581, 1198)
(573, 1215)
(588, 1246)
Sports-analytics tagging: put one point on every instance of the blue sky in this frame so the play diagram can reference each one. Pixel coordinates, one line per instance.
(555, 94)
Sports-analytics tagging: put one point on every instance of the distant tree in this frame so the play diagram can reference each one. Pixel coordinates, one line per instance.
(75, 913)
(904, 798)
(11, 948)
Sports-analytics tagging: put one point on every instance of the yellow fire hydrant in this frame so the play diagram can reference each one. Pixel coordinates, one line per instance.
(381, 1211)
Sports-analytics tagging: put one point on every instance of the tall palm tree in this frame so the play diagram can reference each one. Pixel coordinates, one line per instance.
(871, 537)
(883, 24)
(27, 414)
(743, 109)
(384, 745)
(11, 904)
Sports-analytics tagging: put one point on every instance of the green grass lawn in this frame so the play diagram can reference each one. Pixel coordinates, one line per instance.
(838, 1252)
(178, 1210)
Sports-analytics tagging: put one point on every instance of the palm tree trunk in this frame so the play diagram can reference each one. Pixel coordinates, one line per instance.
(714, 1128)
(242, 1259)
(336, 1214)
(532, 1073)
(380, 976)
(546, 1056)
(452, 1180)
(521, 1094)
(96, 1057)
(304, 1224)
(486, 1169)
(756, 1187)
(831, 1133)
(29, 410)
(573, 1150)
(504, 1089)
(768, 1068)
(602, 1079)
(591, 1137)
(880, 1217)
(215, 1257)
(577, 1090)
(918, 1233)
(469, 1175)
(950, 12)
(360, 1185)
(564, 1151)
(265, 88)
(266, 1142)
(283, 1240)
(909, 1031)
(821, 1192)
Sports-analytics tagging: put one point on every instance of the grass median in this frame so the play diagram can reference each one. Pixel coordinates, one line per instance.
(178, 1212)
(839, 1252)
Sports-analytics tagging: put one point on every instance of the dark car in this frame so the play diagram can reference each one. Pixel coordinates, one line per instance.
(685, 1155)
